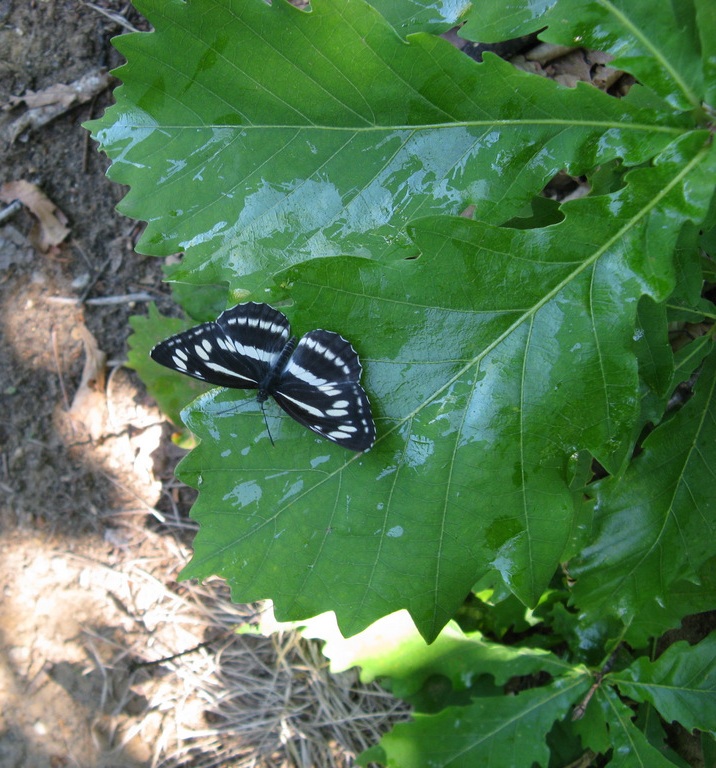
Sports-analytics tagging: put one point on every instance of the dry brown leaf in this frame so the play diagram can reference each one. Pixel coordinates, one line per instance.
(43, 106)
(60, 94)
(89, 404)
(51, 220)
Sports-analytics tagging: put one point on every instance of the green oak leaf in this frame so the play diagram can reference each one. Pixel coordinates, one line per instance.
(683, 598)
(658, 42)
(656, 362)
(491, 359)
(654, 525)
(593, 731)
(492, 732)
(392, 647)
(280, 135)
(690, 357)
(630, 745)
(686, 303)
(681, 683)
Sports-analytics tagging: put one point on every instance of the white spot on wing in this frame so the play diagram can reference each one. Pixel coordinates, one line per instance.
(228, 372)
(304, 374)
(337, 435)
(305, 407)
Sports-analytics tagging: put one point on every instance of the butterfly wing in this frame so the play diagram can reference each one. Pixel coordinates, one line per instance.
(236, 350)
(320, 388)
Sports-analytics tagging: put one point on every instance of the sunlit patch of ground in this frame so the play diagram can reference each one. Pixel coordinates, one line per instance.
(106, 660)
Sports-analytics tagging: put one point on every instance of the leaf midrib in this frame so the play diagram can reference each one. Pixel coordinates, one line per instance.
(353, 129)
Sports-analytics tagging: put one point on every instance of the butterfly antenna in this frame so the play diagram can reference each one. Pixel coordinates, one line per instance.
(267, 426)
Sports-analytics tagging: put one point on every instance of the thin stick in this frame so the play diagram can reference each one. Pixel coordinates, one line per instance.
(56, 355)
(115, 17)
(134, 665)
(579, 711)
(101, 300)
(97, 274)
(13, 208)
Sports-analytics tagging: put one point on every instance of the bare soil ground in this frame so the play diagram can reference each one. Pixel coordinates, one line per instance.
(104, 659)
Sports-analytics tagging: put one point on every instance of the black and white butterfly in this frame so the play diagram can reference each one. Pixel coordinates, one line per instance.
(316, 381)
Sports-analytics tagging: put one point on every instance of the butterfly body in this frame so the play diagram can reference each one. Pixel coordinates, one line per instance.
(267, 386)
(316, 379)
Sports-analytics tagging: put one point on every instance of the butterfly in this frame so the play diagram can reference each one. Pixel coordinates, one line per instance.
(316, 379)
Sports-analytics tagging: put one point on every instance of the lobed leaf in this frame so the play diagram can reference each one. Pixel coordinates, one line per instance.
(654, 525)
(681, 683)
(631, 747)
(281, 135)
(494, 732)
(491, 359)
(657, 42)
(392, 647)
(684, 598)
(656, 363)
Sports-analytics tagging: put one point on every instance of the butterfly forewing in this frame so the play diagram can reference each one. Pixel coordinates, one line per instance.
(255, 334)
(237, 350)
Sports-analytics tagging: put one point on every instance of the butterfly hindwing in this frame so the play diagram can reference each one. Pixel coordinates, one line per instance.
(320, 388)
(339, 412)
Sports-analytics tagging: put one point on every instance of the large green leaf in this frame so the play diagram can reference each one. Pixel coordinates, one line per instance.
(683, 598)
(631, 746)
(280, 135)
(681, 683)
(658, 42)
(494, 732)
(392, 647)
(655, 524)
(490, 360)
